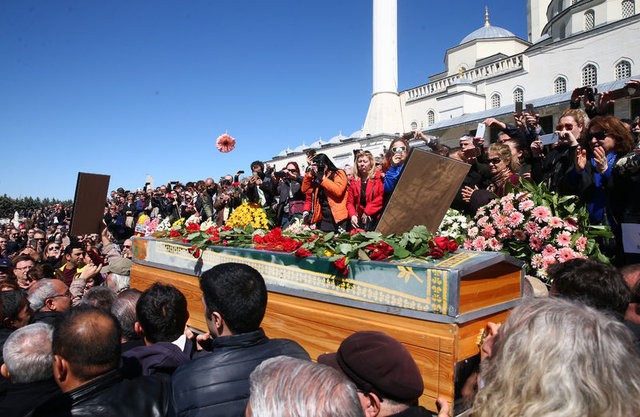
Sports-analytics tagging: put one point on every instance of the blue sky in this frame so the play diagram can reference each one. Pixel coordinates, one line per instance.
(136, 88)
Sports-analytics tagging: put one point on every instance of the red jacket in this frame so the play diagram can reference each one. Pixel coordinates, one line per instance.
(374, 197)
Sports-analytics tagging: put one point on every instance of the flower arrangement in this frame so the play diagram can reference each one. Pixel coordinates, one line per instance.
(339, 248)
(454, 226)
(248, 214)
(536, 226)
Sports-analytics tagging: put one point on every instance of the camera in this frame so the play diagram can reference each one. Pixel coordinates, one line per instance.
(280, 174)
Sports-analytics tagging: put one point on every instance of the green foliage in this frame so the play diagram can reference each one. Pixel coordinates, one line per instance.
(9, 205)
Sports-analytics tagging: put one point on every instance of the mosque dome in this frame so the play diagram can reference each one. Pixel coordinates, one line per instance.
(487, 31)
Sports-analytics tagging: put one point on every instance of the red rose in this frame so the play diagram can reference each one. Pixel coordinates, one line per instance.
(258, 239)
(303, 253)
(185, 240)
(342, 266)
(174, 233)
(193, 227)
(377, 255)
(226, 228)
(214, 239)
(441, 242)
(355, 231)
(436, 253)
(212, 230)
(453, 246)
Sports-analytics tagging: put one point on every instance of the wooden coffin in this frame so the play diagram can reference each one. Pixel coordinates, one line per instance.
(437, 310)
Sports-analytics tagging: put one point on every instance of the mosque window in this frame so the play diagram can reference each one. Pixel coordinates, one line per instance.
(414, 126)
(518, 94)
(623, 70)
(589, 75)
(495, 101)
(628, 8)
(559, 85)
(589, 20)
(431, 117)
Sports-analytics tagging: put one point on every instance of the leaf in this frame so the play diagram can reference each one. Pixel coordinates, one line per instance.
(344, 248)
(362, 255)
(328, 236)
(399, 251)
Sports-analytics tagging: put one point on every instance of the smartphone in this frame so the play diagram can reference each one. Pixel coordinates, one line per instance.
(518, 107)
(255, 174)
(549, 138)
(480, 130)
(530, 108)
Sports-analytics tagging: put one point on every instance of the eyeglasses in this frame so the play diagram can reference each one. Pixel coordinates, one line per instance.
(398, 149)
(598, 135)
(126, 246)
(24, 268)
(53, 248)
(495, 161)
(66, 294)
(566, 126)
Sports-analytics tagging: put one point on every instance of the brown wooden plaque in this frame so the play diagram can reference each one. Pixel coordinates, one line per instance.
(88, 204)
(427, 186)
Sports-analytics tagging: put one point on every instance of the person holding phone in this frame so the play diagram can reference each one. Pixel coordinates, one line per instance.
(365, 194)
(552, 168)
(611, 197)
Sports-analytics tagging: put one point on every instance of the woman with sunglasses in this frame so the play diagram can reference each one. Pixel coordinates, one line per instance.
(395, 158)
(291, 201)
(327, 186)
(611, 197)
(552, 168)
(504, 167)
(52, 254)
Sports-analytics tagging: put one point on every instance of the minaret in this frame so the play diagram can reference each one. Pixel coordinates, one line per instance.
(385, 112)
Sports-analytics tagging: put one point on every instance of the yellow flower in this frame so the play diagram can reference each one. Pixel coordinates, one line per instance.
(328, 253)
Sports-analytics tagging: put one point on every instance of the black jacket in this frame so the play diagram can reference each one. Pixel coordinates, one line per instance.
(19, 399)
(217, 384)
(111, 396)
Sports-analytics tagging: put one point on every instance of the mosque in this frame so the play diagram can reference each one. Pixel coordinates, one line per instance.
(571, 43)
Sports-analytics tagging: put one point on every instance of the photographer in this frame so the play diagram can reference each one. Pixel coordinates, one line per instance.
(226, 200)
(327, 186)
(291, 201)
(261, 188)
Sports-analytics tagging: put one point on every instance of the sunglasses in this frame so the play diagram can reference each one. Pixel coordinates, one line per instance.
(495, 161)
(126, 246)
(398, 149)
(54, 248)
(566, 126)
(598, 135)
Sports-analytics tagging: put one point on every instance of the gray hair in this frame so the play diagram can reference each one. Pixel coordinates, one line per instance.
(41, 290)
(289, 387)
(124, 309)
(99, 297)
(119, 282)
(554, 357)
(28, 355)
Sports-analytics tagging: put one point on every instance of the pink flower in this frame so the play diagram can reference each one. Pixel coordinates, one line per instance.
(549, 250)
(532, 228)
(556, 222)
(494, 244)
(548, 260)
(571, 224)
(536, 261)
(545, 233)
(564, 239)
(541, 213)
(507, 198)
(515, 219)
(225, 143)
(500, 220)
(488, 231)
(473, 232)
(482, 222)
(508, 207)
(494, 211)
(468, 245)
(535, 243)
(504, 233)
(526, 205)
(581, 243)
(519, 234)
(479, 243)
(566, 254)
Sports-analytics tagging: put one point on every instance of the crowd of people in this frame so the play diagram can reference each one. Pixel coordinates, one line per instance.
(74, 337)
